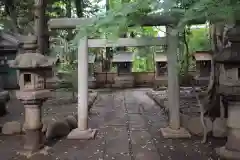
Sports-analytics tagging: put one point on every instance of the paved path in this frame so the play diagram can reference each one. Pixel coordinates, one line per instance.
(128, 123)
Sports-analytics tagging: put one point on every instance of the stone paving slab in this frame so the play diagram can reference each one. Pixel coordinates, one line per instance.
(114, 135)
(118, 156)
(137, 122)
(115, 118)
(133, 110)
(146, 155)
(142, 140)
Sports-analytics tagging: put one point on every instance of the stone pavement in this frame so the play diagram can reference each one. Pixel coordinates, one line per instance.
(128, 123)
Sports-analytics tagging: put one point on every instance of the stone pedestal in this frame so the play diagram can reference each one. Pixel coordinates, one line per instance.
(231, 150)
(32, 101)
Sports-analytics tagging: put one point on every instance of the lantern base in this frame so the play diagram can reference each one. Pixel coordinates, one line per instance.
(33, 140)
(223, 152)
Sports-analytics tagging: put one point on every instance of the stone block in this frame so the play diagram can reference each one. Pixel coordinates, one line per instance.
(220, 127)
(11, 128)
(72, 121)
(57, 129)
(46, 123)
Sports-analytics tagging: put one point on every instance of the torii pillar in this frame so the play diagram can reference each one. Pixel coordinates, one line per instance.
(82, 132)
(173, 130)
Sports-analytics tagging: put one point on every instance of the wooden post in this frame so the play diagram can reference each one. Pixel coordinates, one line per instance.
(174, 130)
(82, 132)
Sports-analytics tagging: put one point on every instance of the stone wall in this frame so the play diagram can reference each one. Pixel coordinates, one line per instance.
(140, 78)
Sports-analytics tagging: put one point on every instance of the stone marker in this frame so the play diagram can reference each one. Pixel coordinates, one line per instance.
(11, 128)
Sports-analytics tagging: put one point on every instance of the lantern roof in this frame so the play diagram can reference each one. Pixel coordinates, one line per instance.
(228, 55)
(32, 61)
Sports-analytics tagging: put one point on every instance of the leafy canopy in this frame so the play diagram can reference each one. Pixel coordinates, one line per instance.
(117, 20)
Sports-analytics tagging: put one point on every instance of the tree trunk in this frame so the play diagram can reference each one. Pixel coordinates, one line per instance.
(79, 7)
(12, 15)
(69, 15)
(107, 63)
(40, 25)
(218, 42)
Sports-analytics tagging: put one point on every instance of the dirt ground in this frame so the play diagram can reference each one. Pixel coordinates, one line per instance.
(129, 125)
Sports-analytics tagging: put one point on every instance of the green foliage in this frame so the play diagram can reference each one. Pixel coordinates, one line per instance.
(67, 67)
(143, 57)
(213, 10)
(143, 63)
(116, 20)
(113, 69)
(17, 15)
(199, 40)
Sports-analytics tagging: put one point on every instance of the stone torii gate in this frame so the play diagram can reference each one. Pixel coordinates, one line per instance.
(171, 41)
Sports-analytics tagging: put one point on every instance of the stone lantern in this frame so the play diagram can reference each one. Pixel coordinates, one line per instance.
(229, 89)
(32, 68)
